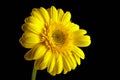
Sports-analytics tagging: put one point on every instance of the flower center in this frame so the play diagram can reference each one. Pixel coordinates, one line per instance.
(58, 37)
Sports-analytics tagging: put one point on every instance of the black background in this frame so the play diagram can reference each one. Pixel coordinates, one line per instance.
(84, 13)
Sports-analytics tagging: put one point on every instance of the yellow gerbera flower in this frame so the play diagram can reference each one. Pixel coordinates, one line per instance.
(54, 40)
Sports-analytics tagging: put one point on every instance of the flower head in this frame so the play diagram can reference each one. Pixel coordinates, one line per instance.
(53, 40)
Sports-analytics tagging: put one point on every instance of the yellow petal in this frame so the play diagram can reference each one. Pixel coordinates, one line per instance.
(59, 64)
(29, 55)
(32, 19)
(51, 64)
(29, 40)
(35, 28)
(44, 14)
(80, 32)
(36, 53)
(31, 37)
(66, 63)
(78, 52)
(34, 23)
(83, 41)
(60, 14)
(77, 59)
(65, 71)
(53, 13)
(53, 73)
(40, 51)
(80, 39)
(37, 63)
(42, 65)
(73, 61)
(47, 56)
(73, 27)
(66, 18)
(36, 13)
(45, 61)
(55, 69)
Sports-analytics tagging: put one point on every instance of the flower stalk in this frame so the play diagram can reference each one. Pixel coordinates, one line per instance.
(34, 74)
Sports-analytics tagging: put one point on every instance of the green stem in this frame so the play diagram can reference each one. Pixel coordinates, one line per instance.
(34, 74)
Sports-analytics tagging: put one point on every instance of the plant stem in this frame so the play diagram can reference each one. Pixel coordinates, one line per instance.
(34, 72)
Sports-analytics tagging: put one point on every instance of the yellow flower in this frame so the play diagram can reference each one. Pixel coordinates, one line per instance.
(54, 40)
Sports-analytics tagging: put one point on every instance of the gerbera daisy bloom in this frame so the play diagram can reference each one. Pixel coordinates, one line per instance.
(54, 40)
